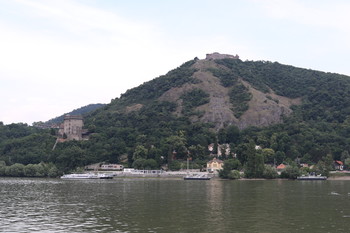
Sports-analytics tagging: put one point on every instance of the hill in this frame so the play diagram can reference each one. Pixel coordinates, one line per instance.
(58, 120)
(294, 114)
(79, 111)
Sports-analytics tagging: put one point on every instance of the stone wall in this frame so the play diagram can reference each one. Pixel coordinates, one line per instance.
(215, 56)
(73, 126)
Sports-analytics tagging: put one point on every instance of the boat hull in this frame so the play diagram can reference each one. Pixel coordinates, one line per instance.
(312, 178)
(196, 178)
(86, 176)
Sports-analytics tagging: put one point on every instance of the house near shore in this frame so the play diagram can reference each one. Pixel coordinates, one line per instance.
(338, 165)
(112, 167)
(104, 167)
(215, 165)
(281, 167)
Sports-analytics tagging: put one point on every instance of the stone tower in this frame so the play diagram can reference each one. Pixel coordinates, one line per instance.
(73, 127)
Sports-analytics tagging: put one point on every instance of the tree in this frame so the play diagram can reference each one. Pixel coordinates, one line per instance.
(270, 172)
(328, 160)
(145, 164)
(150, 164)
(139, 164)
(234, 175)
(69, 157)
(29, 170)
(344, 155)
(15, 170)
(232, 134)
(175, 165)
(229, 166)
(222, 136)
(2, 168)
(280, 157)
(290, 172)
(268, 154)
(140, 153)
(347, 163)
(177, 144)
(321, 168)
(254, 166)
(197, 152)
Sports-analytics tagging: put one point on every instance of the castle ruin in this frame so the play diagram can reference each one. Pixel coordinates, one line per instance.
(216, 56)
(72, 127)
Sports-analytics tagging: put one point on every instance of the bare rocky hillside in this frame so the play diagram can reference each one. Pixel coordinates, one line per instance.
(264, 108)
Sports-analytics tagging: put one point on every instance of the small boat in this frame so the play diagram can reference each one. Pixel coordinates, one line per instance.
(197, 177)
(105, 176)
(312, 177)
(87, 176)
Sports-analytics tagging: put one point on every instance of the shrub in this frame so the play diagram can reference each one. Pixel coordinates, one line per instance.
(270, 172)
(234, 175)
(290, 172)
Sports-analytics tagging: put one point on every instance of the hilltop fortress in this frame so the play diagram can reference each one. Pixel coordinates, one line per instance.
(216, 56)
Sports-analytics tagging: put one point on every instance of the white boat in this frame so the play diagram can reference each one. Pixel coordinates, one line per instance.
(197, 177)
(312, 177)
(87, 176)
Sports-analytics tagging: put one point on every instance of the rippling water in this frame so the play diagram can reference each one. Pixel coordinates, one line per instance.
(158, 205)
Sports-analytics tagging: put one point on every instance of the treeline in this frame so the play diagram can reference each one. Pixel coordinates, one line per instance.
(261, 163)
(29, 170)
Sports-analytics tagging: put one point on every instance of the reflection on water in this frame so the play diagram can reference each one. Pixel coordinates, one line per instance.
(157, 205)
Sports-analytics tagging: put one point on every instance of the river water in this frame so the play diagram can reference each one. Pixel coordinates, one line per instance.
(173, 205)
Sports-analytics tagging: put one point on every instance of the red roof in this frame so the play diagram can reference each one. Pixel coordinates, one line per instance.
(281, 166)
(339, 162)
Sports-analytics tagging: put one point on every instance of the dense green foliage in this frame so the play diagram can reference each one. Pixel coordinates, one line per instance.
(230, 169)
(326, 95)
(227, 77)
(194, 98)
(239, 97)
(20, 143)
(29, 170)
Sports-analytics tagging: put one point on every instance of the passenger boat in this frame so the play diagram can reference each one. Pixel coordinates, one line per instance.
(312, 177)
(197, 177)
(87, 176)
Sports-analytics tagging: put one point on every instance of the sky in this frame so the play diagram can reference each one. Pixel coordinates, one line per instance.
(57, 56)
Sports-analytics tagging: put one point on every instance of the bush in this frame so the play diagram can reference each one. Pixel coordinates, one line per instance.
(175, 165)
(270, 172)
(290, 172)
(234, 175)
(15, 170)
(229, 170)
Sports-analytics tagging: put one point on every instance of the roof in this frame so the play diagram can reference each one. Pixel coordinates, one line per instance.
(339, 162)
(281, 166)
(215, 160)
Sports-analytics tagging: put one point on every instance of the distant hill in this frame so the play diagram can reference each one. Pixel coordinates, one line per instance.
(295, 115)
(79, 111)
(299, 113)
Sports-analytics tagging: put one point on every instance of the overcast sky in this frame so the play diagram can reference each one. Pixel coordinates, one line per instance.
(56, 56)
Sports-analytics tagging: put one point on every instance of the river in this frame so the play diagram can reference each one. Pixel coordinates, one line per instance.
(173, 205)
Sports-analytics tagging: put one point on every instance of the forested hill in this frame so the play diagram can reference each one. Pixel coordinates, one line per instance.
(79, 111)
(296, 114)
(251, 93)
